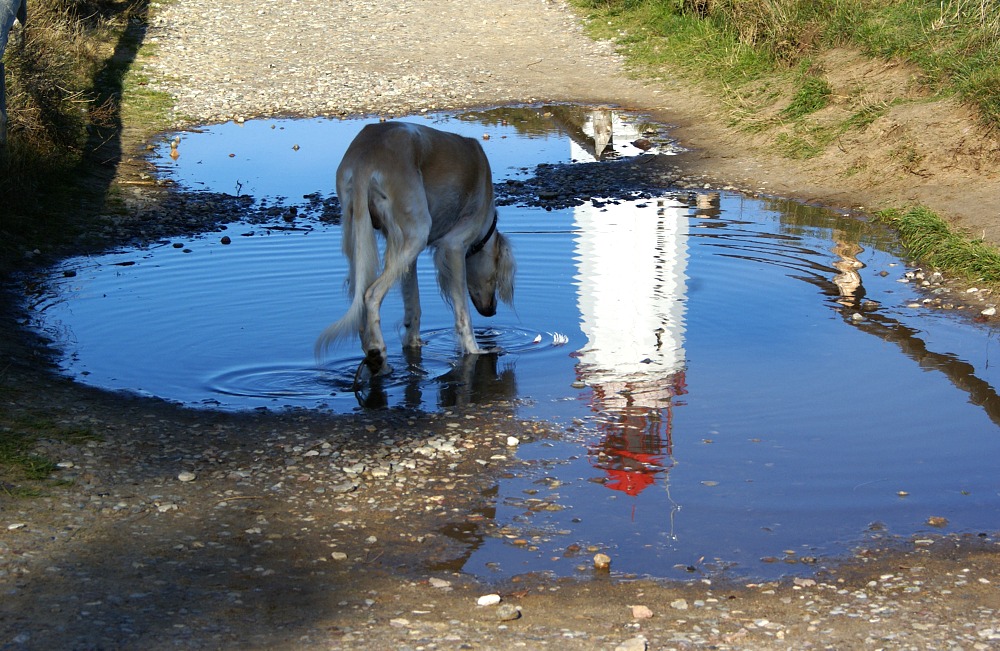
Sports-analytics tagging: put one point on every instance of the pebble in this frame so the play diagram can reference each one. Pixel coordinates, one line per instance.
(186, 476)
(679, 604)
(641, 612)
(508, 612)
(635, 644)
(488, 600)
(602, 562)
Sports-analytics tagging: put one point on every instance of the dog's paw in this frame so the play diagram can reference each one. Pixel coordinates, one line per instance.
(376, 362)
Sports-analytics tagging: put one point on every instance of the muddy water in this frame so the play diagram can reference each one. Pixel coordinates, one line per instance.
(743, 386)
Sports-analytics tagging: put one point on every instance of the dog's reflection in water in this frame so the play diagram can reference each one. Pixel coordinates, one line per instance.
(473, 380)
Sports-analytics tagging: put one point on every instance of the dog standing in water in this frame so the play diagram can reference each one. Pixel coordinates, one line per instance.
(419, 187)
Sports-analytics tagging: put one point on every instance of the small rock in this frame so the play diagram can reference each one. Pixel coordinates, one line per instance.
(641, 612)
(937, 521)
(488, 600)
(186, 475)
(344, 487)
(513, 441)
(507, 613)
(602, 562)
(679, 604)
(635, 644)
(439, 583)
(338, 556)
(16, 525)
(990, 311)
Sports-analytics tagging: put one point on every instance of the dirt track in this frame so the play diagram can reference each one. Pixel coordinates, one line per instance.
(269, 544)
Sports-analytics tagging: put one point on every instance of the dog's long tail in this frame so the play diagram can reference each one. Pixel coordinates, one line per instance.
(361, 248)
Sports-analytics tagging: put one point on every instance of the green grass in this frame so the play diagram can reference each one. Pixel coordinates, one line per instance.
(23, 472)
(928, 238)
(758, 56)
(955, 43)
(813, 94)
(72, 83)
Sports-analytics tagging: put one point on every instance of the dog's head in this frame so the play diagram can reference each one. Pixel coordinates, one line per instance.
(490, 275)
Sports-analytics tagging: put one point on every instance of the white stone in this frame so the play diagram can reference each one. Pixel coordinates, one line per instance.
(488, 600)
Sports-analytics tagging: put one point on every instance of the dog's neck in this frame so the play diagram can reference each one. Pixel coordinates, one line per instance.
(478, 246)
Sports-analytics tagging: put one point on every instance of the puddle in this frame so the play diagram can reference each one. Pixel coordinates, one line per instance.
(722, 405)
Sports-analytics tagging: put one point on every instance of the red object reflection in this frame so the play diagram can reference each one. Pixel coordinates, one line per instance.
(636, 441)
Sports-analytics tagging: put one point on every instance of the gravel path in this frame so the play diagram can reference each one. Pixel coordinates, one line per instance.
(182, 529)
(226, 59)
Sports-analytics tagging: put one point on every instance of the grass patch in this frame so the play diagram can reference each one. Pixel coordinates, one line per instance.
(24, 472)
(955, 43)
(69, 74)
(929, 239)
(812, 95)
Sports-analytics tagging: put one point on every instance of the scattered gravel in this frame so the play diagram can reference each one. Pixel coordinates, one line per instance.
(234, 60)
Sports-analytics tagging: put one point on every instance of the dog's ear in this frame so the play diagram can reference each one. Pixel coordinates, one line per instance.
(506, 267)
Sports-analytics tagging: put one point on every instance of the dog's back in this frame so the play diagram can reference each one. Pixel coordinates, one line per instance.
(449, 173)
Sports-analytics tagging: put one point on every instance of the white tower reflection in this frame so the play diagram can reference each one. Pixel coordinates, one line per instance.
(631, 281)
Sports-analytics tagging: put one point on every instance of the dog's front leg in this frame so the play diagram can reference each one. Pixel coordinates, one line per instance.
(411, 306)
(451, 275)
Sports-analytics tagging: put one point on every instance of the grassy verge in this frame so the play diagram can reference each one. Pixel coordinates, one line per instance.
(928, 238)
(734, 43)
(72, 91)
(761, 57)
(71, 86)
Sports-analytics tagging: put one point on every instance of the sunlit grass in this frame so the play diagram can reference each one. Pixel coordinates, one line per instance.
(928, 238)
(70, 83)
(955, 43)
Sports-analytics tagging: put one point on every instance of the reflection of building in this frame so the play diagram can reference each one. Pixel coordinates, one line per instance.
(631, 277)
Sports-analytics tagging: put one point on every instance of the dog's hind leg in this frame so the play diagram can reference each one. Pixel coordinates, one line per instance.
(411, 305)
(406, 237)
